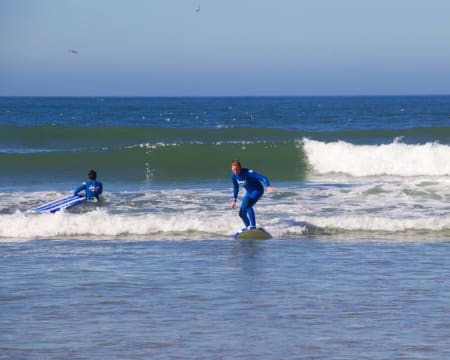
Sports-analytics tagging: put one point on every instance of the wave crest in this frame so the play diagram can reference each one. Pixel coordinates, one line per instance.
(395, 159)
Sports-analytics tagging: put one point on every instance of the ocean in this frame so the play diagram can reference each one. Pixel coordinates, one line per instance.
(357, 267)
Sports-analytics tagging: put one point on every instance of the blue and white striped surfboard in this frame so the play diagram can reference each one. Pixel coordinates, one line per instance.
(59, 204)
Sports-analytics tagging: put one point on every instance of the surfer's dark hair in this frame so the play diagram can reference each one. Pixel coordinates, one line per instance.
(92, 174)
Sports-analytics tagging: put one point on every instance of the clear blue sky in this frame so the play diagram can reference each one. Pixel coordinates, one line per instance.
(229, 47)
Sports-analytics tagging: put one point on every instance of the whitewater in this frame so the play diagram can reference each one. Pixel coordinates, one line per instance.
(396, 158)
(387, 188)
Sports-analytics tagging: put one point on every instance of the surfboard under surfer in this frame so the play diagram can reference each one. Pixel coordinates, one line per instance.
(253, 184)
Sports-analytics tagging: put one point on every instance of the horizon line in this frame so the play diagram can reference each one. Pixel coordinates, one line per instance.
(221, 96)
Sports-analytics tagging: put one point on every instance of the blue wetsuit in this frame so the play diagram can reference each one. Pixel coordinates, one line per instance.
(251, 181)
(93, 189)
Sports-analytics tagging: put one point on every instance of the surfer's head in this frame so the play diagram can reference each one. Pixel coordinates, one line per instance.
(92, 175)
(236, 167)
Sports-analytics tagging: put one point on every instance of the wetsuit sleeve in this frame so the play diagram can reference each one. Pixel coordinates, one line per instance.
(256, 176)
(235, 187)
(100, 190)
(80, 188)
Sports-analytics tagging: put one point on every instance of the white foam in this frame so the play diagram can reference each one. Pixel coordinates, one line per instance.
(99, 223)
(380, 223)
(404, 204)
(395, 159)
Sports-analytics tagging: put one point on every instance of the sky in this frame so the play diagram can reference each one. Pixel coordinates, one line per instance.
(226, 48)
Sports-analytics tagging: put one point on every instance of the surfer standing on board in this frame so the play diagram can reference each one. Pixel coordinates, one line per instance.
(251, 181)
(92, 188)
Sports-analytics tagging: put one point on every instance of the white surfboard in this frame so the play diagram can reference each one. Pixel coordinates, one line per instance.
(252, 234)
(59, 204)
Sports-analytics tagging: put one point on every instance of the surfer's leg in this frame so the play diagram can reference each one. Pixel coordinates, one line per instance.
(243, 211)
(251, 216)
(252, 199)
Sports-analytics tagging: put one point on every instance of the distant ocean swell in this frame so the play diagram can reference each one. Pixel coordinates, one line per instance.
(30, 138)
(205, 157)
(195, 162)
(161, 155)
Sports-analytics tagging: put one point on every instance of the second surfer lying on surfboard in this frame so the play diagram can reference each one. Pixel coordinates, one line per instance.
(251, 181)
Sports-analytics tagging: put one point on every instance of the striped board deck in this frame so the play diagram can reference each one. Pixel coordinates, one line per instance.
(59, 204)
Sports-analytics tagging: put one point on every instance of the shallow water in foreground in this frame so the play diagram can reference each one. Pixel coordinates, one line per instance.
(312, 298)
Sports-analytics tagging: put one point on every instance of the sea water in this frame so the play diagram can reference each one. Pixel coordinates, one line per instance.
(357, 266)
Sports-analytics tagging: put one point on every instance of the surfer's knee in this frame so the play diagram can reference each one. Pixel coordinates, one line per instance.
(249, 203)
